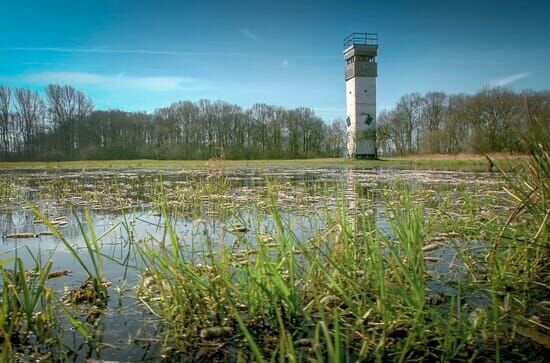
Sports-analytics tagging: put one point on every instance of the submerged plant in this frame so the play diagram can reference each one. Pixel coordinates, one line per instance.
(530, 187)
(519, 271)
(27, 313)
(94, 290)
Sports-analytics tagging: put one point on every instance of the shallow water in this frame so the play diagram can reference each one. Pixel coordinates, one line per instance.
(124, 201)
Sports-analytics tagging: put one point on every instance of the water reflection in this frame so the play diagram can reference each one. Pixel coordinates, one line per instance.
(126, 203)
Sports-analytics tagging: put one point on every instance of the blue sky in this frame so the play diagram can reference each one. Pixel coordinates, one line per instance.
(140, 55)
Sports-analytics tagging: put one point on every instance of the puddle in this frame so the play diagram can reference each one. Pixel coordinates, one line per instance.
(224, 211)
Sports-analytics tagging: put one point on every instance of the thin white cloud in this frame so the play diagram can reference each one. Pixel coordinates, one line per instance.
(501, 82)
(122, 51)
(247, 33)
(116, 81)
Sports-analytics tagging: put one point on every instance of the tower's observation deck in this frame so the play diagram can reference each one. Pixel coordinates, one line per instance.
(360, 51)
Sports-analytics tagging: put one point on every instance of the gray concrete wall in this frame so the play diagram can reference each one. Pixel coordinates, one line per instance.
(361, 71)
(360, 103)
(361, 49)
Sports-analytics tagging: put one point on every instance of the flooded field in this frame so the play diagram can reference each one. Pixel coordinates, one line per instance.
(331, 264)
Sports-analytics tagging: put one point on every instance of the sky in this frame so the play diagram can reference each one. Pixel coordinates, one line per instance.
(141, 55)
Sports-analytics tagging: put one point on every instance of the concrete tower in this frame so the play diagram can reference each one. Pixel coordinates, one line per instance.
(360, 50)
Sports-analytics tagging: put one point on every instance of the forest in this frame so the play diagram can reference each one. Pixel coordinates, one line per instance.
(61, 124)
(494, 119)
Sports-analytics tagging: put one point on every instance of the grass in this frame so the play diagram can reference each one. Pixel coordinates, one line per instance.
(349, 293)
(98, 292)
(442, 162)
(27, 308)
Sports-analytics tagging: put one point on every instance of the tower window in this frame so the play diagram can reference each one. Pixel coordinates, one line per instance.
(361, 58)
(348, 121)
(368, 119)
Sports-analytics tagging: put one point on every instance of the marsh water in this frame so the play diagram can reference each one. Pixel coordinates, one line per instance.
(221, 206)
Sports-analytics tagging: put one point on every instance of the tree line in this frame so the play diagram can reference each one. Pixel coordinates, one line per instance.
(64, 126)
(492, 120)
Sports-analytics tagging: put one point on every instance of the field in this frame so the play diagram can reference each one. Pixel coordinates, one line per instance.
(303, 260)
(467, 162)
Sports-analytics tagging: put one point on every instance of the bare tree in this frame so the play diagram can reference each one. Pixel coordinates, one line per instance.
(5, 119)
(536, 105)
(397, 126)
(29, 116)
(336, 138)
(67, 107)
(384, 135)
(433, 117)
(408, 108)
(494, 116)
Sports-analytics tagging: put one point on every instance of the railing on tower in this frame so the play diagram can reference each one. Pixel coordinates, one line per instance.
(361, 38)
